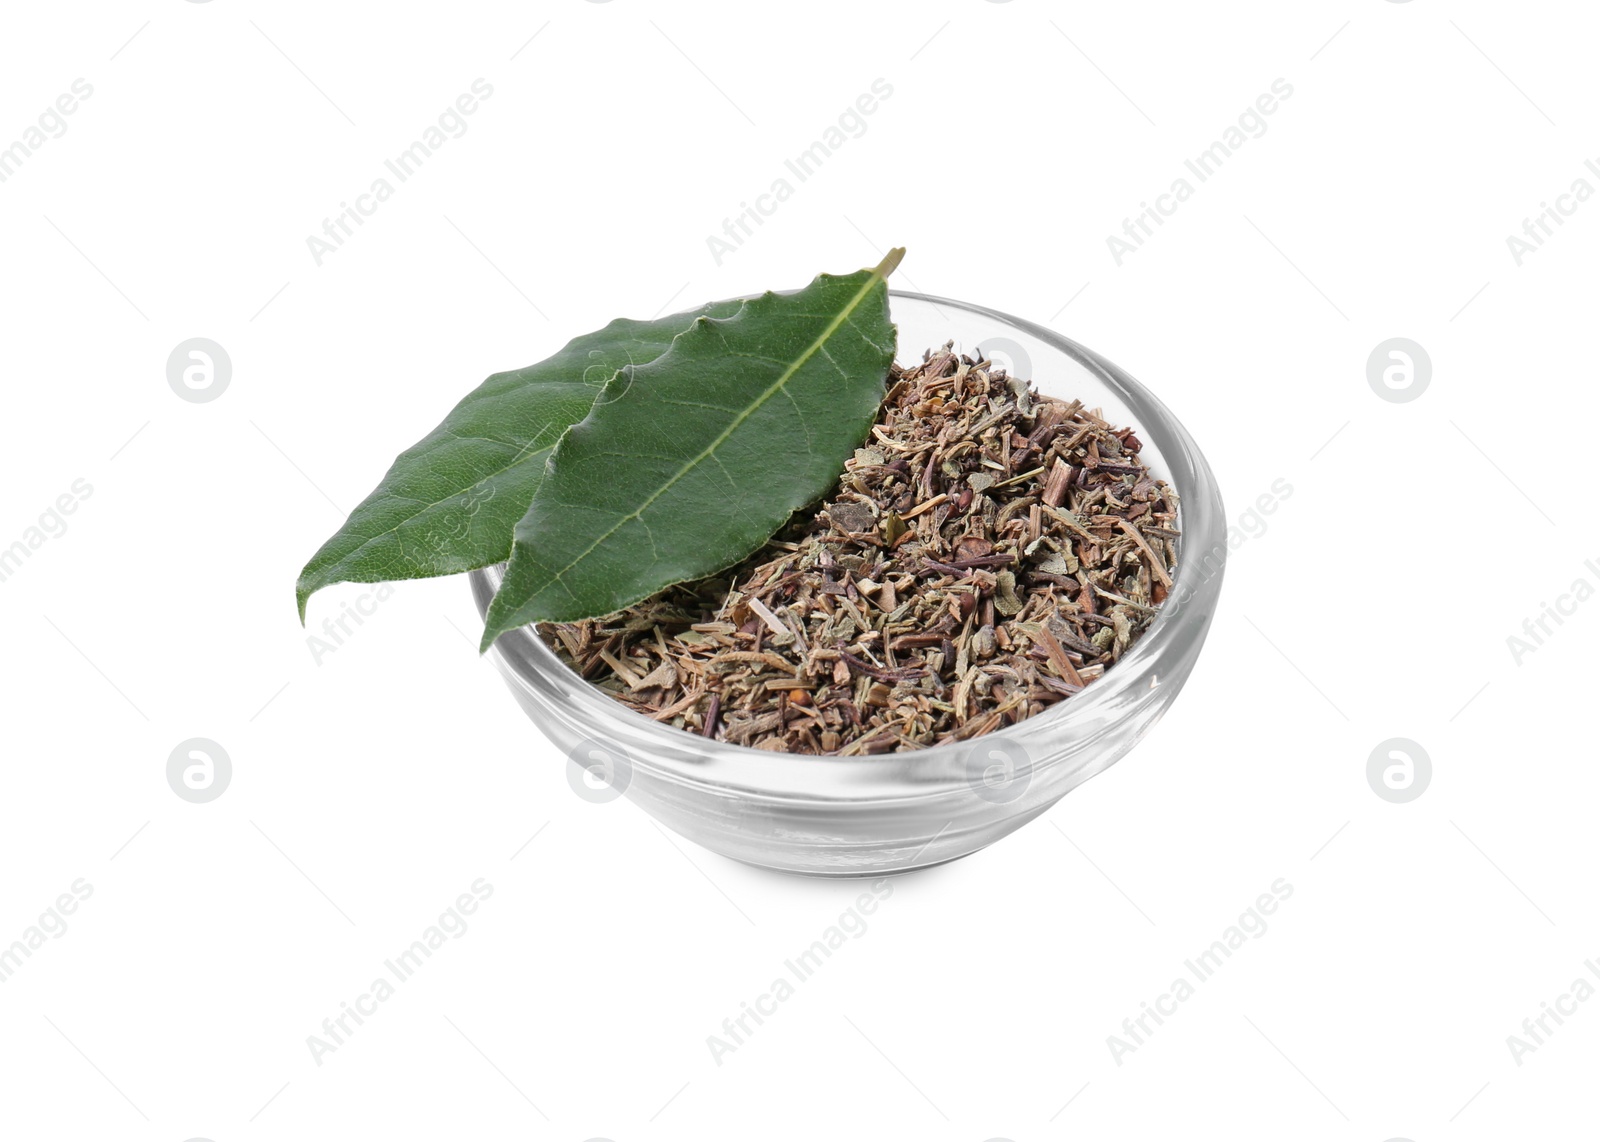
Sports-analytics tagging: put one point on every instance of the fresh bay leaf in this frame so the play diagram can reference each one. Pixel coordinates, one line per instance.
(450, 502)
(689, 463)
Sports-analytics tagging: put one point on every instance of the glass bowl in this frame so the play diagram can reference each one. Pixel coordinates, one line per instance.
(866, 816)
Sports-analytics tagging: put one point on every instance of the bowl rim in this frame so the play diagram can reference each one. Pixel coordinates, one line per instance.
(681, 756)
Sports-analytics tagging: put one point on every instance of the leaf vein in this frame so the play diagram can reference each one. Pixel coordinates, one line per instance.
(780, 385)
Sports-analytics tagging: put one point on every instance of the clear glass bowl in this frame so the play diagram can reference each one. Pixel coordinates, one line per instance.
(864, 816)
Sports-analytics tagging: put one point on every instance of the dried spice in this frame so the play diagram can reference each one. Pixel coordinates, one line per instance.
(987, 553)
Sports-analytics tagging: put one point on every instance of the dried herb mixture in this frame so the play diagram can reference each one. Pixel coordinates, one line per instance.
(988, 553)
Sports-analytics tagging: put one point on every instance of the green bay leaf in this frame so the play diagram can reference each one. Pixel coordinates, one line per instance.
(450, 502)
(687, 464)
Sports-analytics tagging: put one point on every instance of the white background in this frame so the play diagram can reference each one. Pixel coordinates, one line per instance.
(372, 788)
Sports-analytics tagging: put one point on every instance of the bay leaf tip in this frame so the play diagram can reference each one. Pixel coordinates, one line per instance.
(890, 260)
